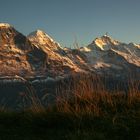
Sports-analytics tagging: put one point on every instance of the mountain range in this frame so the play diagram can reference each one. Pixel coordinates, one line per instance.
(38, 55)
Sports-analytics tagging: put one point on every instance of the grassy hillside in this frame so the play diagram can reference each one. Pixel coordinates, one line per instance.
(82, 111)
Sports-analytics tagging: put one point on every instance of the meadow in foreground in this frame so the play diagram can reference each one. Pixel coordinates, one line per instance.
(86, 112)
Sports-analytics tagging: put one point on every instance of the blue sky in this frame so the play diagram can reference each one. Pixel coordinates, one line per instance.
(67, 20)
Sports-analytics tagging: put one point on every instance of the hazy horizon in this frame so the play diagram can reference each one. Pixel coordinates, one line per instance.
(83, 20)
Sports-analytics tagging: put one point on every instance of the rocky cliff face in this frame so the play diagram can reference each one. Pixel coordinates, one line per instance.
(39, 55)
(35, 55)
(17, 55)
(60, 61)
(113, 58)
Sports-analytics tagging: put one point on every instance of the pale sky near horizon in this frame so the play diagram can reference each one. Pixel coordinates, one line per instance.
(65, 20)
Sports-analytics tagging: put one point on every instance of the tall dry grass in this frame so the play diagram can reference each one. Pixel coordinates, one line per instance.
(87, 94)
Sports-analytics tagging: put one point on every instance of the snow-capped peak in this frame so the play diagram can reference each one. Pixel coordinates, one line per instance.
(41, 37)
(37, 33)
(104, 41)
(5, 25)
(40, 34)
